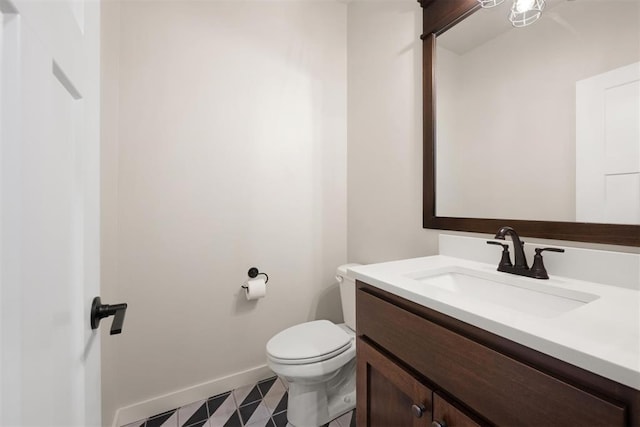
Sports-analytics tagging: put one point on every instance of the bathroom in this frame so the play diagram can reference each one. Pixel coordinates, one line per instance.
(281, 135)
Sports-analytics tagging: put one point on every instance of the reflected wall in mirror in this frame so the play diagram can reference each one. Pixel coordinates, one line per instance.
(540, 123)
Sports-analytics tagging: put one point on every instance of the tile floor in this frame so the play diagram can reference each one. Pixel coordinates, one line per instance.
(258, 405)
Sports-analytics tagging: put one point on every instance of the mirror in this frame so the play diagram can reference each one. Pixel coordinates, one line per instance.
(537, 126)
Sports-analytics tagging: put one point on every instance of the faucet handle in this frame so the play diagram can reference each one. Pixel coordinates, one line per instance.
(538, 271)
(539, 250)
(505, 261)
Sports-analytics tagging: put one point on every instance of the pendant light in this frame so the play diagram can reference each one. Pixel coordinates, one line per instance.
(525, 12)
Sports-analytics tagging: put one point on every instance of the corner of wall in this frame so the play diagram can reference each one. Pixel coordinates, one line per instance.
(109, 88)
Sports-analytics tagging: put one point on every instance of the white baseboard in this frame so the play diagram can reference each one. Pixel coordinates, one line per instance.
(157, 405)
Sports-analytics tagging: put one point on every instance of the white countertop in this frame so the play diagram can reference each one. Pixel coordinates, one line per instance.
(602, 336)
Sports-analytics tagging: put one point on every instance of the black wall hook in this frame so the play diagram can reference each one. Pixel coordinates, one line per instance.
(253, 273)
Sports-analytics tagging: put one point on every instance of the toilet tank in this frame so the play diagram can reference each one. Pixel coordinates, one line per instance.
(347, 295)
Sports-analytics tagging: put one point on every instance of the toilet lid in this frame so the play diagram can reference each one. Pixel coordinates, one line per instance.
(308, 343)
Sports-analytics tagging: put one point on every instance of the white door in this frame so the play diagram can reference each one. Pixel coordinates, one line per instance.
(49, 206)
(608, 147)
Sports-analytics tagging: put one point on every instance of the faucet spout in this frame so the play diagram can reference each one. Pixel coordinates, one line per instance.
(520, 258)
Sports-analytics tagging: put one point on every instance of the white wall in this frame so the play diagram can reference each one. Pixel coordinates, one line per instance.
(385, 132)
(230, 152)
(518, 102)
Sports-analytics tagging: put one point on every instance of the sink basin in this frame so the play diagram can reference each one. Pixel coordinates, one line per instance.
(539, 298)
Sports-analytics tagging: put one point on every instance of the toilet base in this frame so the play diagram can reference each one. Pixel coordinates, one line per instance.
(313, 405)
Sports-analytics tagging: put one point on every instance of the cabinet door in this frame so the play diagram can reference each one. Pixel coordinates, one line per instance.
(387, 394)
(446, 415)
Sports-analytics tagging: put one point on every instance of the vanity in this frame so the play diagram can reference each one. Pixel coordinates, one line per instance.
(518, 352)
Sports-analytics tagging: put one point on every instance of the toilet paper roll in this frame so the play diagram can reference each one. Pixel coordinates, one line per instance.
(255, 288)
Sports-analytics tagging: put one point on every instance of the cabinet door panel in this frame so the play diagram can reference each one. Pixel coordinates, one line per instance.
(447, 415)
(387, 394)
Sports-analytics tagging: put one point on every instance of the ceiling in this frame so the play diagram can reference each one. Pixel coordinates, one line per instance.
(483, 26)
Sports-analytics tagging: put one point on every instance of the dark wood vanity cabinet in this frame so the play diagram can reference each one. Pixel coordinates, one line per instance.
(418, 367)
(447, 415)
(394, 397)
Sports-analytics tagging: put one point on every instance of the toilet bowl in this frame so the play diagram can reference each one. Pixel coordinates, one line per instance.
(318, 360)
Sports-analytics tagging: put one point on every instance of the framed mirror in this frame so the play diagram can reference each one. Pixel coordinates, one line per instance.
(535, 126)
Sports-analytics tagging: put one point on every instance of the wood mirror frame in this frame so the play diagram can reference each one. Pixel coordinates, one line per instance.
(438, 16)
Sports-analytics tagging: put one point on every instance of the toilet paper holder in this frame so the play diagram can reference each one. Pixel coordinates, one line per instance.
(253, 273)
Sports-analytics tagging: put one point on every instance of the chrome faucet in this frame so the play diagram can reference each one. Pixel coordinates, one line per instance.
(521, 268)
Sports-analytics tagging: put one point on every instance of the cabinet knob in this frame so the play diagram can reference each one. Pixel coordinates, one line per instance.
(437, 423)
(418, 410)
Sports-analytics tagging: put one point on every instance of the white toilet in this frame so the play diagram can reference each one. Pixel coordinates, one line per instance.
(318, 359)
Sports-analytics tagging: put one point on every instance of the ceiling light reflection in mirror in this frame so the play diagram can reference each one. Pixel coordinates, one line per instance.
(523, 12)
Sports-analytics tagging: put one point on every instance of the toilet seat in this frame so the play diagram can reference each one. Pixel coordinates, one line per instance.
(307, 343)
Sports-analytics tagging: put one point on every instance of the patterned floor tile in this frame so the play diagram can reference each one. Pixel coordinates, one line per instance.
(201, 423)
(221, 413)
(192, 413)
(266, 385)
(247, 394)
(280, 420)
(263, 404)
(168, 419)
(276, 394)
(216, 402)
(259, 414)
(348, 419)
(261, 423)
(233, 421)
